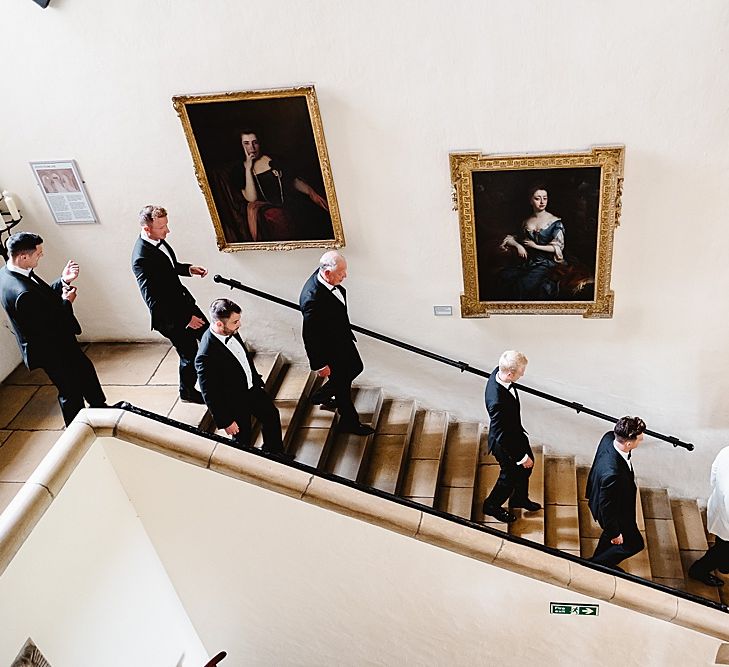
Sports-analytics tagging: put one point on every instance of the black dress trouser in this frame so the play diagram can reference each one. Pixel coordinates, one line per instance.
(339, 386)
(73, 374)
(260, 405)
(513, 481)
(609, 554)
(716, 558)
(185, 341)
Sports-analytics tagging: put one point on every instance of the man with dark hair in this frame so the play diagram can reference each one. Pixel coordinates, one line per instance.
(230, 384)
(329, 341)
(174, 311)
(611, 492)
(45, 326)
(508, 440)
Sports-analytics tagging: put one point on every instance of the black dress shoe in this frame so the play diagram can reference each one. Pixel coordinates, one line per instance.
(528, 505)
(329, 404)
(357, 429)
(706, 578)
(499, 513)
(192, 396)
(281, 455)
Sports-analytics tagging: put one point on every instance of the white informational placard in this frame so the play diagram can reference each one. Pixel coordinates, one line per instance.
(64, 191)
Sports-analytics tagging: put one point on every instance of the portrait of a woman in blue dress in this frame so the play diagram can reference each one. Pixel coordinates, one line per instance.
(539, 249)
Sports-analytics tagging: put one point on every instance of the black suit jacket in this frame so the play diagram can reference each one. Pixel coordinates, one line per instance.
(170, 303)
(327, 333)
(505, 428)
(44, 323)
(611, 489)
(223, 381)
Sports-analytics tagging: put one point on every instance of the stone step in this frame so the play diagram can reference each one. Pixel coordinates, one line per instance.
(390, 445)
(561, 516)
(314, 434)
(458, 474)
(349, 453)
(531, 525)
(427, 447)
(662, 541)
(291, 398)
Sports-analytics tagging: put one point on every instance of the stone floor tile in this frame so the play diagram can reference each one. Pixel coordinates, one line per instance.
(562, 527)
(168, 372)
(159, 399)
(22, 452)
(41, 412)
(396, 417)
(421, 479)
(4, 435)
(13, 399)
(127, 363)
(456, 500)
(190, 413)
(656, 504)
(21, 375)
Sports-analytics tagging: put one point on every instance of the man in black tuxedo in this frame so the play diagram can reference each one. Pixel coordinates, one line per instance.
(174, 311)
(611, 493)
(508, 440)
(329, 341)
(45, 326)
(231, 385)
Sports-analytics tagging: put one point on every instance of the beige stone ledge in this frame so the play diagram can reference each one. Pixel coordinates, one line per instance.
(534, 563)
(165, 439)
(359, 505)
(259, 471)
(20, 518)
(102, 420)
(57, 466)
(645, 599)
(702, 619)
(600, 585)
(458, 538)
(28, 506)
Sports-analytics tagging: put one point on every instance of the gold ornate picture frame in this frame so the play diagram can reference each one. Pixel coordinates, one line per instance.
(261, 162)
(537, 231)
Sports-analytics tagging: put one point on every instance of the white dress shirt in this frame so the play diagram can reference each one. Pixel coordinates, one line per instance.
(334, 290)
(17, 269)
(512, 390)
(157, 244)
(717, 511)
(239, 353)
(625, 455)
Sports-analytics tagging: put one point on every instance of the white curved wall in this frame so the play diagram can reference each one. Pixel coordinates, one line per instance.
(400, 85)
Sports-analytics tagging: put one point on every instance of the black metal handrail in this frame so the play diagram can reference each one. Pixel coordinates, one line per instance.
(460, 365)
(484, 528)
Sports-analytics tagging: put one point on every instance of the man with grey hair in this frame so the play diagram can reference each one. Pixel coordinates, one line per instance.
(508, 440)
(329, 341)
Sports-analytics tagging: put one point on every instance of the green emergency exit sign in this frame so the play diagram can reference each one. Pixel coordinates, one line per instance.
(574, 609)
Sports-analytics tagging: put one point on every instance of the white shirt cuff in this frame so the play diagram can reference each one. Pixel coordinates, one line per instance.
(523, 461)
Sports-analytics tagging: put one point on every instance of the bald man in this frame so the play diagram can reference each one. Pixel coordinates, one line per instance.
(329, 341)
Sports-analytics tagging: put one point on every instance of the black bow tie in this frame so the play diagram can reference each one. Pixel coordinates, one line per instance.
(233, 335)
(629, 453)
(335, 288)
(160, 242)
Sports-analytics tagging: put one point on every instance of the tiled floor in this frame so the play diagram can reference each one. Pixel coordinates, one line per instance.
(144, 374)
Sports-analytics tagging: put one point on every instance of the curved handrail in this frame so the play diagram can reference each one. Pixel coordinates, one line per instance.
(461, 365)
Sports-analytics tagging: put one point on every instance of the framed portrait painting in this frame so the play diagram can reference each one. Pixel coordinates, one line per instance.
(537, 231)
(261, 162)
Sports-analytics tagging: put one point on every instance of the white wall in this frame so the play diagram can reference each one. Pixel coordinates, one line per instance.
(401, 84)
(275, 581)
(88, 586)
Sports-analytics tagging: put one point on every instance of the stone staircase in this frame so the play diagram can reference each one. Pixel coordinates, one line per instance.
(422, 456)
(417, 454)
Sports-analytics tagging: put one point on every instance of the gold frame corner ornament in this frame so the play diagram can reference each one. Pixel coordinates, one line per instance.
(181, 103)
(609, 159)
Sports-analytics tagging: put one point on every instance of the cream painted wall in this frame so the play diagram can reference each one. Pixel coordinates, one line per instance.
(88, 587)
(401, 84)
(275, 581)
